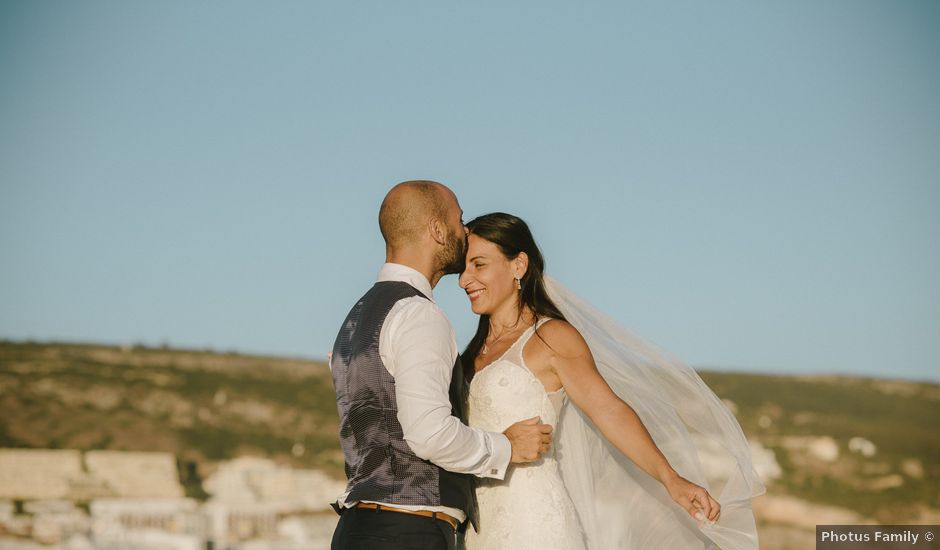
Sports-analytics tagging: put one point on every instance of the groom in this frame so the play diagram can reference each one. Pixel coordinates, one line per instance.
(409, 457)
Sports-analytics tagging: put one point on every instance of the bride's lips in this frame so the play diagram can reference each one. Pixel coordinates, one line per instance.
(475, 295)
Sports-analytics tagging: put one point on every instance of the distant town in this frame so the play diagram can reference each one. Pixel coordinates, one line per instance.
(117, 500)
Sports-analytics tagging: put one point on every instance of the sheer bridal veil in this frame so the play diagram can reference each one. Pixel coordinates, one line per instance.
(619, 505)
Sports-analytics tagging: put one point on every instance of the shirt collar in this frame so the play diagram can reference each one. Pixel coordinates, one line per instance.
(405, 274)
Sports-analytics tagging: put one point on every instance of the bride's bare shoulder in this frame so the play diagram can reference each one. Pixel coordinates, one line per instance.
(562, 339)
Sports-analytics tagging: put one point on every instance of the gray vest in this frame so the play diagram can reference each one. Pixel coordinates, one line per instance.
(380, 465)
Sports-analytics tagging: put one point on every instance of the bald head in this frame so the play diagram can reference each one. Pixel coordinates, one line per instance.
(407, 208)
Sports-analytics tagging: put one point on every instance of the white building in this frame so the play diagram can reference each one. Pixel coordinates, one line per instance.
(27, 474)
(135, 501)
(252, 496)
(136, 474)
(38, 474)
(250, 480)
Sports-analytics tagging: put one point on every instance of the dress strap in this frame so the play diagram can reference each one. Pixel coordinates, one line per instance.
(514, 353)
(538, 324)
(542, 321)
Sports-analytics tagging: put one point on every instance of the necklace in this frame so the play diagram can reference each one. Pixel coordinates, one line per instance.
(500, 337)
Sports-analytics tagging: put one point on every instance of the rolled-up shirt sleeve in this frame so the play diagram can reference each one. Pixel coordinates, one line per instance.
(423, 347)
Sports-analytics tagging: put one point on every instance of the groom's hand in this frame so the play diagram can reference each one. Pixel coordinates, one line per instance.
(529, 439)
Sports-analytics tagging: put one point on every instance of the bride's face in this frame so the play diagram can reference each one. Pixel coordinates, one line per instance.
(489, 278)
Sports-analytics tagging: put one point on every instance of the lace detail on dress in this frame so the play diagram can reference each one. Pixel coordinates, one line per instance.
(530, 508)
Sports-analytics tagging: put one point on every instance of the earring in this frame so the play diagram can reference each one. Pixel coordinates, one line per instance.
(518, 284)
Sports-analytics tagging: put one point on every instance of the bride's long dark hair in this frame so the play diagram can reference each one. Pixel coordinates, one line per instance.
(512, 235)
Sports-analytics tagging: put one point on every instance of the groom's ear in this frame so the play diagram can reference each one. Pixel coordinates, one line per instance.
(437, 230)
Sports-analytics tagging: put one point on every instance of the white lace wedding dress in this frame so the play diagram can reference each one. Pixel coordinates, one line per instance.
(584, 493)
(530, 508)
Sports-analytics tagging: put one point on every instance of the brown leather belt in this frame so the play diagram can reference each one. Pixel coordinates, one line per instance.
(450, 520)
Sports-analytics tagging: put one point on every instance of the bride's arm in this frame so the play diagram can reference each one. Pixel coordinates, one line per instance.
(571, 360)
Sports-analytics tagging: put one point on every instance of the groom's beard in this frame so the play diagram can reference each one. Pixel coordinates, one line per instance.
(454, 255)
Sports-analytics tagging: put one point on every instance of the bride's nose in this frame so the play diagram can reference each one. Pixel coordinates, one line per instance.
(463, 280)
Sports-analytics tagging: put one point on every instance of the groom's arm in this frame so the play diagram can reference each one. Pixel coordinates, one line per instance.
(419, 349)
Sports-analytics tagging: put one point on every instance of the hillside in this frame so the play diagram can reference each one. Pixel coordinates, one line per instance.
(205, 407)
(810, 423)
(201, 406)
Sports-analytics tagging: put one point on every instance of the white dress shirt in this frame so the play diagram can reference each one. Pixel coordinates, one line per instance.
(418, 346)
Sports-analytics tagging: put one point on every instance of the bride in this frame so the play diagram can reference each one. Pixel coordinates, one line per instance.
(641, 443)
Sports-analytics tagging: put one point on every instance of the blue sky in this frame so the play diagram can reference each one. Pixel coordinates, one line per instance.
(752, 186)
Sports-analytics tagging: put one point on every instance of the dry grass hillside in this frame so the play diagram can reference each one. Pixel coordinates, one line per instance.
(201, 406)
(849, 449)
